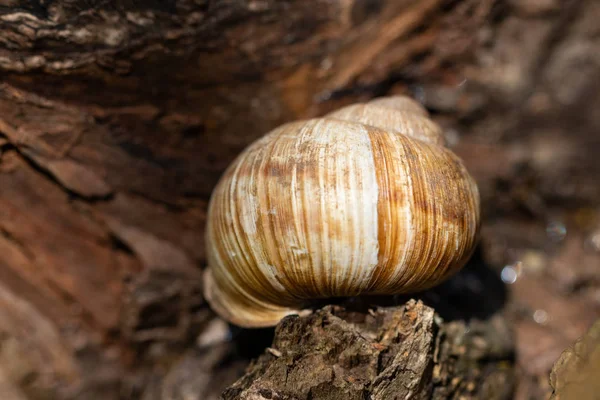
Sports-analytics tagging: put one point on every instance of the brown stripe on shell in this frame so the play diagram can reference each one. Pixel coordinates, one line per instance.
(424, 217)
(248, 278)
(234, 246)
(431, 257)
(278, 221)
(438, 204)
(393, 202)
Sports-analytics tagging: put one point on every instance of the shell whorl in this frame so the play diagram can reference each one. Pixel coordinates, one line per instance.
(394, 114)
(365, 200)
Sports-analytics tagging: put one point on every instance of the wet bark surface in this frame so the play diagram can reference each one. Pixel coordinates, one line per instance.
(117, 118)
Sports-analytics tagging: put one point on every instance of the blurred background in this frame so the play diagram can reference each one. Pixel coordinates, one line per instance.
(117, 119)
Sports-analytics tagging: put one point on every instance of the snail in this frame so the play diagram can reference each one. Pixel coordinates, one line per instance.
(365, 200)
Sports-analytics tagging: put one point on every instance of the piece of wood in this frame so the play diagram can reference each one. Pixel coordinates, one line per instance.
(388, 353)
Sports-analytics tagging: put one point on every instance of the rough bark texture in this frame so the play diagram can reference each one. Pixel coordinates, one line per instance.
(386, 354)
(117, 118)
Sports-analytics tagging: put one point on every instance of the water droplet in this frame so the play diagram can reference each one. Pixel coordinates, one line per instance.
(556, 231)
(540, 316)
(509, 274)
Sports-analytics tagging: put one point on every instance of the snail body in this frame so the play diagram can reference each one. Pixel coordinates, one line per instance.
(366, 200)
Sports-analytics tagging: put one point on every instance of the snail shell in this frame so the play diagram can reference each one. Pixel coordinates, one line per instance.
(366, 200)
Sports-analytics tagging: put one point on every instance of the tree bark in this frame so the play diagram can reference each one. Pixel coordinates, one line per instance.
(389, 353)
(117, 118)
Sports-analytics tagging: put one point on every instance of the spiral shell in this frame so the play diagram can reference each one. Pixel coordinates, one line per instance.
(366, 200)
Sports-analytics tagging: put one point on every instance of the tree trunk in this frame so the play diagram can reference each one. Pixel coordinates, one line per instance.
(117, 118)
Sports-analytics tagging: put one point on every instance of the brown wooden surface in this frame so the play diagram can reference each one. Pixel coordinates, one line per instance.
(389, 353)
(117, 118)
